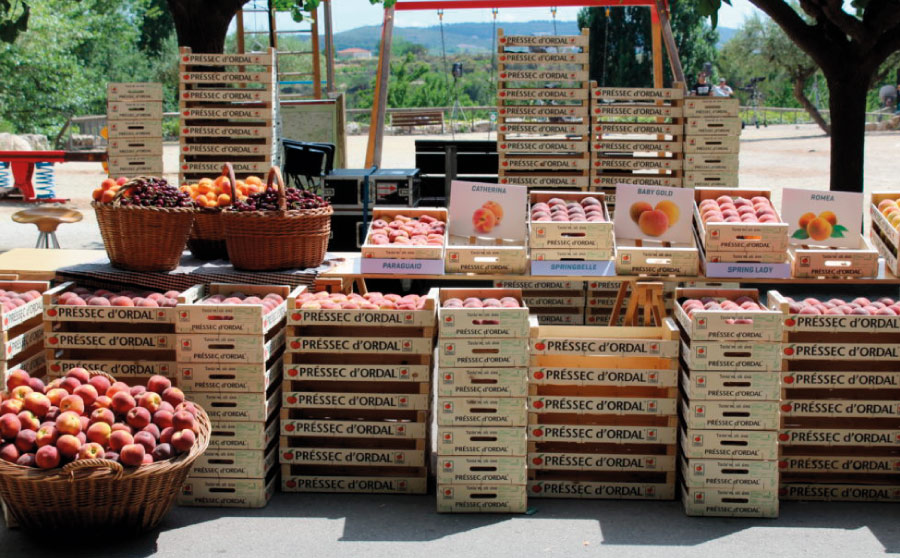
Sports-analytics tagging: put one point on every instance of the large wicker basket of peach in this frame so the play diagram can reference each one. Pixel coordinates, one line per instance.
(88, 451)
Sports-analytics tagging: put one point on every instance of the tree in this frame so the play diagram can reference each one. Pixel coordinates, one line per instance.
(621, 43)
(850, 49)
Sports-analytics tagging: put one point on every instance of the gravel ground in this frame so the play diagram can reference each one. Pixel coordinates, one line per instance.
(774, 157)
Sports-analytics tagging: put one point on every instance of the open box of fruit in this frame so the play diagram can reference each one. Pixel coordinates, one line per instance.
(482, 312)
(738, 221)
(85, 451)
(726, 314)
(306, 308)
(232, 309)
(144, 222)
(403, 233)
(570, 220)
(885, 230)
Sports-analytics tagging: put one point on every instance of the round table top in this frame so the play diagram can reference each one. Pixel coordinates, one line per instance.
(47, 218)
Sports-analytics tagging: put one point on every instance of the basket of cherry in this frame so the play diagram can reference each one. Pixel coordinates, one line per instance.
(278, 228)
(86, 451)
(145, 224)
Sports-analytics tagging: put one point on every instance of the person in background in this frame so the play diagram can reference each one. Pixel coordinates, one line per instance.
(702, 88)
(722, 90)
(888, 95)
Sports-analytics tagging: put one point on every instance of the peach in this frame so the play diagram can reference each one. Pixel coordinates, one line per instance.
(158, 384)
(819, 229)
(26, 460)
(72, 403)
(102, 402)
(132, 455)
(166, 435)
(724, 199)
(47, 457)
(26, 441)
(37, 403)
(121, 301)
(886, 311)
(12, 407)
(47, 434)
(138, 417)
(17, 378)
(670, 209)
(87, 393)
(137, 391)
(494, 208)
(150, 401)
(829, 216)
(809, 310)
(68, 423)
(56, 395)
(805, 219)
(484, 220)
(10, 425)
(162, 452)
(68, 446)
(80, 374)
(90, 451)
(9, 452)
(183, 440)
(20, 392)
(70, 383)
(123, 427)
(653, 223)
(29, 420)
(145, 439)
(183, 420)
(119, 439)
(122, 402)
(152, 429)
(187, 406)
(99, 432)
(637, 209)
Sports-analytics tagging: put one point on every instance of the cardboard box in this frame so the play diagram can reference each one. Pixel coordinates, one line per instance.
(490, 382)
(600, 490)
(487, 351)
(713, 502)
(331, 428)
(728, 386)
(601, 405)
(306, 317)
(731, 474)
(731, 415)
(351, 345)
(361, 484)
(236, 464)
(839, 492)
(732, 355)
(228, 378)
(574, 461)
(251, 407)
(227, 493)
(884, 438)
(470, 322)
(484, 441)
(228, 348)
(619, 377)
(482, 411)
(242, 435)
(729, 444)
(481, 498)
(596, 236)
(376, 401)
(601, 434)
(200, 317)
(481, 470)
(359, 372)
(404, 251)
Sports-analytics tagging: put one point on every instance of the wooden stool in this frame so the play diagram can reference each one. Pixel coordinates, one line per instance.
(47, 219)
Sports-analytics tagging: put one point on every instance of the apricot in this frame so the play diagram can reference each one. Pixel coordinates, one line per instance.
(637, 209)
(819, 229)
(653, 222)
(670, 209)
(805, 220)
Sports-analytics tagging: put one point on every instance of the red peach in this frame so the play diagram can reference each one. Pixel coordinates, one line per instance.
(102, 402)
(17, 378)
(72, 403)
(37, 385)
(859, 312)
(29, 420)
(166, 435)
(183, 440)
(100, 383)
(26, 460)
(37, 403)
(150, 401)
(122, 402)
(163, 419)
(20, 393)
(46, 435)
(119, 439)
(68, 446)
(122, 301)
(69, 384)
(103, 415)
(145, 439)
(123, 427)
(80, 374)
(132, 455)
(47, 457)
(26, 440)
(886, 311)
(183, 420)
(162, 452)
(173, 396)
(9, 452)
(152, 429)
(11, 407)
(56, 396)
(187, 406)
(158, 384)
(118, 387)
(91, 451)
(164, 406)
(10, 425)
(111, 456)
(87, 393)
(137, 391)
(138, 418)
(68, 423)
(99, 432)
(148, 459)
(810, 310)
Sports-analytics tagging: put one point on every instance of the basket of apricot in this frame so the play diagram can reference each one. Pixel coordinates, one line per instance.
(86, 451)
(277, 228)
(144, 222)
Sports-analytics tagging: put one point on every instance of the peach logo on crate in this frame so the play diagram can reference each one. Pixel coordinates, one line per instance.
(162, 341)
(289, 427)
(782, 464)
(289, 455)
(651, 463)
(296, 316)
(51, 312)
(291, 484)
(448, 465)
(699, 411)
(449, 349)
(538, 374)
(651, 434)
(448, 493)
(653, 377)
(537, 488)
(291, 399)
(699, 497)
(699, 470)
(788, 379)
(404, 372)
(448, 437)
(701, 380)
(626, 257)
(538, 460)
(651, 491)
(400, 430)
(784, 436)
(187, 489)
(539, 404)
(403, 402)
(448, 378)
(651, 406)
(186, 372)
(448, 407)
(700, 352)
(790, 322)
(454, 256)
(787, 407)
(186, 344)
(804, 261)
(292, 372)
(789, 351)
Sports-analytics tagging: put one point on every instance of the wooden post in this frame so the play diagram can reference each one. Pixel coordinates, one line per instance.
(671, 47)
(316, 63)
(329, 49)
(376, 124)
(656, 35)
(273, 34)
(240, 31)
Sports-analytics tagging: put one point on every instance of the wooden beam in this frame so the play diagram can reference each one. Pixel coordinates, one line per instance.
(329, 48)
(405, 5)
(671, 47)
(656, 35)
(240, 31)
(316, 63)
(376, 124)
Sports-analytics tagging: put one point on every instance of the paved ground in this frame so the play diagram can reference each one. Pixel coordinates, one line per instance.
(775, 157)
(320, 526)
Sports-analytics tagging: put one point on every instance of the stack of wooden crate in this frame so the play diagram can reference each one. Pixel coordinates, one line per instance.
(357, 393)
(230, 362)
(482, 375)
(226, 116)
(22, 332)
(712, 132)
(730, 384)
(840, 407)
(134, 114)
(542, 133)
(552, 302)
(626, 148)
(131, 343)
(602, 412)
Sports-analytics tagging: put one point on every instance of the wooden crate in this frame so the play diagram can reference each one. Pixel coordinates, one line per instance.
(32, 361)
(235, 464)
(481, 498)
(730, 415)
(884, 235)
(731, 474)
(728, 386)
(485, 256)
(845, 263)
(723, 502)
(738, 237)
(482, 441)
(843, 492)
(230, 378)
(747, 445)
(597, 236)
(737, 325)
(403, 252)
(235, 435)
(711, 145)
(478, 322)
(226, 492)
(655, 258)
(202, 317)
(711, 106)
(711, 162)
(599, 486)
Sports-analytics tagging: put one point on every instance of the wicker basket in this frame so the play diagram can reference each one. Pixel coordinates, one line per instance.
(207, 240)
(143, 238)
(282, 239)
(98, 493)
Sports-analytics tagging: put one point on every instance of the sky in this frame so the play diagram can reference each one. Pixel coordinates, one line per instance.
(349, 14)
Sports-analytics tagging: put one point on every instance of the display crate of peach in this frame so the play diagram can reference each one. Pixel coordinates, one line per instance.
(810, 261)
(602, 412)
(884, 232)
(840, 423)
(569, 220)
(482, 313)
(417, 237)
(221, 308)
(726, 314)
(722, 226)
(128, 333)
(482, 255)
(357, 388)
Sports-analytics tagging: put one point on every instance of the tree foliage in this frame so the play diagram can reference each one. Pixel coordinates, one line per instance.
(621, 44)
